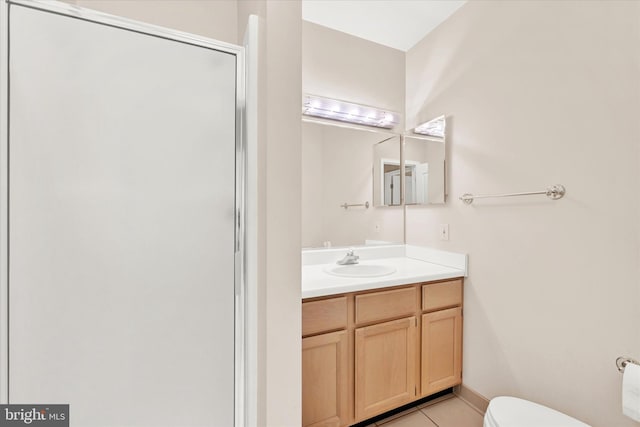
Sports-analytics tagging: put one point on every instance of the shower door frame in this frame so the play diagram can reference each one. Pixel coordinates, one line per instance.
(240, 287)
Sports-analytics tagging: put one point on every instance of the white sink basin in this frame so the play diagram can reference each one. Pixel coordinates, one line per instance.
(360, 270)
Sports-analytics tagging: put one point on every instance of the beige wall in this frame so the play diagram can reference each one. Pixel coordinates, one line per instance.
(338, 65)
(539, 93)
(283, 205)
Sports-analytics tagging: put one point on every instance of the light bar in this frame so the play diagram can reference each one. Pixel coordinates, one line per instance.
(435, 127)
(333, 109)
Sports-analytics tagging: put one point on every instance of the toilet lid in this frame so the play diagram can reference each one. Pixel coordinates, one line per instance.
(507, 411)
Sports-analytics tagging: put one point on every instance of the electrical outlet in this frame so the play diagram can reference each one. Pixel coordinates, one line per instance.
(444, 231)
(377, 228)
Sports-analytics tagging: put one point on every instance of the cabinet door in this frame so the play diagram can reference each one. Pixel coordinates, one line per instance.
(385, 366)
(324, 380)
(441, 350)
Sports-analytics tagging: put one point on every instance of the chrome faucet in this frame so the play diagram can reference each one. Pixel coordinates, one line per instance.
(349, 258)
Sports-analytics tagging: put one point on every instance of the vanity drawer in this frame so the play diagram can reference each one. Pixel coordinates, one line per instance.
(385, 305)
(441, 295)
(324, 315)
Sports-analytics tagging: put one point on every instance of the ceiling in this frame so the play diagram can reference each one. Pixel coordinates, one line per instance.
(399, 24)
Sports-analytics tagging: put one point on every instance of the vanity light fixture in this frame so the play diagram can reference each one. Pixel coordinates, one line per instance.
(333, 109)
(435, 127)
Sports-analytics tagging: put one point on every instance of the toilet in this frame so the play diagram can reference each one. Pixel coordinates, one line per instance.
(505, 411)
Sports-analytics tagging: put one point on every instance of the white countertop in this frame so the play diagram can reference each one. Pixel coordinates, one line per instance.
(412, 265)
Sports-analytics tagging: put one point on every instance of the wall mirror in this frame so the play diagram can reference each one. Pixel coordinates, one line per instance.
(337, 183)
(425, 163)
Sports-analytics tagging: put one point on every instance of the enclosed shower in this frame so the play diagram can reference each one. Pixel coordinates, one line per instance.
(121, 219)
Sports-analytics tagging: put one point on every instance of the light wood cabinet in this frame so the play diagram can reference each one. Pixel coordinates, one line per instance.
(324, 315)
(441, 350)
(325, 380)
(385, 305)
(437, 296)
(365, 353)
(385, 366)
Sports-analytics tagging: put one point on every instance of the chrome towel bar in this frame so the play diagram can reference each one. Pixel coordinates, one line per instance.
(622, 362)
(554, 192)
(346, 206)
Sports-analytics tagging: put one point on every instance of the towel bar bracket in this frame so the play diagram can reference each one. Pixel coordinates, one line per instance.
(622, 362)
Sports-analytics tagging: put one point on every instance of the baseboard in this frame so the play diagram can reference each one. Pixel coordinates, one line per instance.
(473, 398)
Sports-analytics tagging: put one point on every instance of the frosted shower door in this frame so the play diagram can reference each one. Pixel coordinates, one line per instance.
(121, 210)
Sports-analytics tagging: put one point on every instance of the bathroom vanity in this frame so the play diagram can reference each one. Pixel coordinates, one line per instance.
(382, 345)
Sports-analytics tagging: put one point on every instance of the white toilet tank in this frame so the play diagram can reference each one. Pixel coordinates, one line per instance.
(507, 411)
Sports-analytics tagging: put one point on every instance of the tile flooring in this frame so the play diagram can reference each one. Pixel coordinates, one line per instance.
(446, 411)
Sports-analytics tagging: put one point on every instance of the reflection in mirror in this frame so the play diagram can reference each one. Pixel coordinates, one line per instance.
(336, 169)
(434, 128)
(386, 173)
(425, 164)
